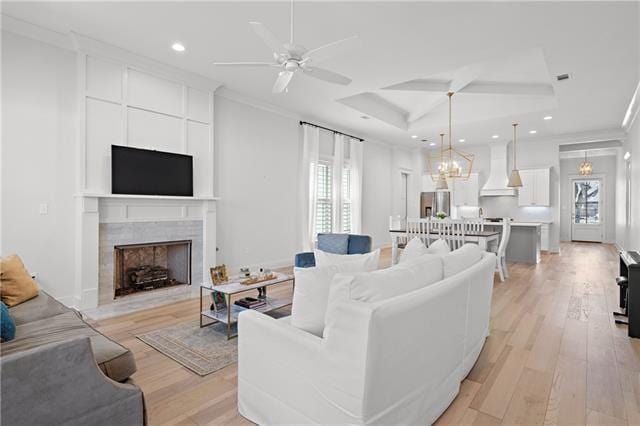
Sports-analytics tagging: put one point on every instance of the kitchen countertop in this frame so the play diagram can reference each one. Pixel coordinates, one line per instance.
(514, 223)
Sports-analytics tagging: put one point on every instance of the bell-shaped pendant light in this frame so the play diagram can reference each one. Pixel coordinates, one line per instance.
(514, 177)
(441, 182)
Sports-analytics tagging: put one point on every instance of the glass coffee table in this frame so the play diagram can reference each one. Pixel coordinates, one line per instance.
(229, 314)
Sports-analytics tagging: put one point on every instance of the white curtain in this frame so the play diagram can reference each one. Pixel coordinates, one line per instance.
(355, 159)
(307, 185)
(338, 167)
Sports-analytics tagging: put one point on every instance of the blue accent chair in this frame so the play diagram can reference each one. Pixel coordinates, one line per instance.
(335, 243)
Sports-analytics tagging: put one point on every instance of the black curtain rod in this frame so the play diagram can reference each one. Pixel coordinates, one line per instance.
(331, 130)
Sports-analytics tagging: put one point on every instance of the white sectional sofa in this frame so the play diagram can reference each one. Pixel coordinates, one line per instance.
(398, 360)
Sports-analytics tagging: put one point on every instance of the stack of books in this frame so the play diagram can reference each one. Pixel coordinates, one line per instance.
(250, 302)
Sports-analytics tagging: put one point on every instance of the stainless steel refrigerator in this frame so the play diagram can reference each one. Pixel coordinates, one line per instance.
(434, 202)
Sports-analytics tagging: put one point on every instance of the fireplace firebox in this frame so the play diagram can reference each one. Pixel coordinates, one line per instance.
(149, 266)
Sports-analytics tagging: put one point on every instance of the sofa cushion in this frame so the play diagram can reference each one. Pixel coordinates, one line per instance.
(439, 246)
(40, 307)
(334, 243)
(114, 360)
(16, 284)
(325, 259)
(387, 283)
(7, 326)
(311, 293)
(461, 259)
(414, 249)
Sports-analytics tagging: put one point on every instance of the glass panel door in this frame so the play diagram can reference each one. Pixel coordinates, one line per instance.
(586, 198)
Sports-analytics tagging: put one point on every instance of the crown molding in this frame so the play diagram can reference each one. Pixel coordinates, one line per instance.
(36, 32)
(226, 93)
(632, 110)
(93, 47)
(589, 136)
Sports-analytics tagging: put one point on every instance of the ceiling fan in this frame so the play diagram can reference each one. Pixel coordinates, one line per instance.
(291, 57)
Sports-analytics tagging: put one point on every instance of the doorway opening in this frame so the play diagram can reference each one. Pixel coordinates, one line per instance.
(587, 221)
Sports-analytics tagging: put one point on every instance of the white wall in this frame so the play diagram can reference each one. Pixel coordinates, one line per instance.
(602, 166)
(257, 170)
(256, 173)
(628, 235)
(38, 147)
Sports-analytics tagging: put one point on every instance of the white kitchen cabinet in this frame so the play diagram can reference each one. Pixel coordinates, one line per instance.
(535, 187)
(465, 192)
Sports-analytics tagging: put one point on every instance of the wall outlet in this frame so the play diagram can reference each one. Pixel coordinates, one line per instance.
(34, 275)
(44, 208)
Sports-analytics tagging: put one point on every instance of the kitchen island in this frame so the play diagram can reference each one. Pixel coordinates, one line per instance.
(524, 242)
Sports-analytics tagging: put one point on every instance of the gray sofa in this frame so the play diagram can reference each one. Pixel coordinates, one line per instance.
(60, 370)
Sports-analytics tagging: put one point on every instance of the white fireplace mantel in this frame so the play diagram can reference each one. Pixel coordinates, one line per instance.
(92, 210)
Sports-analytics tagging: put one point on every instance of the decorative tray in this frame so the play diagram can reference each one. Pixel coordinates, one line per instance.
(256, 279)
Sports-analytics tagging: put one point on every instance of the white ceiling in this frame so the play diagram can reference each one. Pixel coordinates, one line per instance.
(487, 45)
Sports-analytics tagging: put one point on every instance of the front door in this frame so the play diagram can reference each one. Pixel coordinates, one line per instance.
(587, 221)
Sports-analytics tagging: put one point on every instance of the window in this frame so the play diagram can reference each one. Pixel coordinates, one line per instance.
(324, 199)
(324, 207)
(587, 201)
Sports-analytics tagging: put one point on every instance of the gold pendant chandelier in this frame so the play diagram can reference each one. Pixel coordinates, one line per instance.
(451, 163)
(441, 183)
(586, 167)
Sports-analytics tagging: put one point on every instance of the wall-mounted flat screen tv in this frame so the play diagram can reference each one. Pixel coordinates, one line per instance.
(145, 172)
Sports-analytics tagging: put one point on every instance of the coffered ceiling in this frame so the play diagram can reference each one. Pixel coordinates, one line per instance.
(502, 59)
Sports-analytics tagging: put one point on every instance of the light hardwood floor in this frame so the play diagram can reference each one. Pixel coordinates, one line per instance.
(554, 357)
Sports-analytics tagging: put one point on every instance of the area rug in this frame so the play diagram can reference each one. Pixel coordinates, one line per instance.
(201, 350)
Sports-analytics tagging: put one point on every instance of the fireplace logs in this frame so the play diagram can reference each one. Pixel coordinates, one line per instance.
(149, 266)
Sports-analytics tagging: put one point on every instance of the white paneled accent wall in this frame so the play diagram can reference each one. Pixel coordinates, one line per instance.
(124, 105)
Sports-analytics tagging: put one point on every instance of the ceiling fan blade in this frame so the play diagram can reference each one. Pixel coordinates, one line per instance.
(326, 75)
(328, 50)
(246, 64)
(284, 77)
(267, 36)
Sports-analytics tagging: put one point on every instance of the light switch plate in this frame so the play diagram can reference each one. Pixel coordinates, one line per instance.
(44, 208)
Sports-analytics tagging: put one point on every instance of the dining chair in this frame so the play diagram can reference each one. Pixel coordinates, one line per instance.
(473, 224)
(452, 231)
(501, 258)
(418, 228)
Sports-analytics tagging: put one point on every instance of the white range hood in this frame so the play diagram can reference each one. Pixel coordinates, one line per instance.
(498, 174)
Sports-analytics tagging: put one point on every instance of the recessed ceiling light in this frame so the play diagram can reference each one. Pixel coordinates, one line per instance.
(533, 132)
(414, 136)
(548, 117)
(460, 140)
(178, 47)
(365, 117)
(432, 144)
(495, 136)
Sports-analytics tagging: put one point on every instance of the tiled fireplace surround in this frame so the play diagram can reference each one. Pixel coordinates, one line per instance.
(107, 221)
(114, 234)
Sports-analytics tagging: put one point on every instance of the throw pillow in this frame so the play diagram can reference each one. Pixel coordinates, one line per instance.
(414, 249)
(461, 259)
(311, 293)
(7, 326)
(439, 246)
(16, 284)
(325, 259)
(387, 283)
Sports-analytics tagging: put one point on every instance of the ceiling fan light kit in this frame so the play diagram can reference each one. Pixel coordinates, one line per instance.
(291, 57)
(514, 178)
